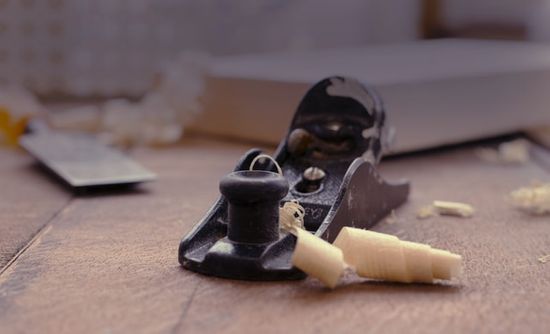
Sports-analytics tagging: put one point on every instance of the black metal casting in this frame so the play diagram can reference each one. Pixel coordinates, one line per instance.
(328, 158)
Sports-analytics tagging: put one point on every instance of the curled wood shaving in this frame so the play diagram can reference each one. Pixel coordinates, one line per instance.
(544, 259)
(291, 216)
(318, 258)
(385, 257)
(372, 255)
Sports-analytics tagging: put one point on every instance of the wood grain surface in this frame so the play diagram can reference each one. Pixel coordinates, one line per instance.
(107, 262)
(27, 201)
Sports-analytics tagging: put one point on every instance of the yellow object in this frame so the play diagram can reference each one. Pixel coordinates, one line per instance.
(385, 257)
(453, 209)
(318, 258)
(11, 130)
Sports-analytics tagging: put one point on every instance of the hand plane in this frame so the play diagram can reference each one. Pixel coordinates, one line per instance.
(328, 160)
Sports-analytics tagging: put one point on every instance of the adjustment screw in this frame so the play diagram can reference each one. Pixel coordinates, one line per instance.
(314, 174)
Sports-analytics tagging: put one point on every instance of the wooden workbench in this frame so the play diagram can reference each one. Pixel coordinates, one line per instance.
(107, 262)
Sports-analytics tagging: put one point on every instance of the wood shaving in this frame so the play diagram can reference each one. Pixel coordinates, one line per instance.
(534, 199)
(373, 255)
(544, 259)
(385, 257)
(291, 216)
(318, 258)
(513, 152)
(453, 209)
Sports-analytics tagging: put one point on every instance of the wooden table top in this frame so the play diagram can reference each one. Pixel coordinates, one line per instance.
(107, 262)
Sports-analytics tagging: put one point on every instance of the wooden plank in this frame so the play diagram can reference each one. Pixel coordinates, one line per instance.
(28, 200)
(109, 262)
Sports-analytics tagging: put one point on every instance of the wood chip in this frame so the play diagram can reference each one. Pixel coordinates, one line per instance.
(534, 199)
(544, 259)
(453, 209)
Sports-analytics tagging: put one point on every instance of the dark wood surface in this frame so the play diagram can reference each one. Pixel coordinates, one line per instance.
(107, 262)
(28, 201)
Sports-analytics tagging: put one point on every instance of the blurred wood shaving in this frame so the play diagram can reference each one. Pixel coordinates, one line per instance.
(533, 199)
(512, 152)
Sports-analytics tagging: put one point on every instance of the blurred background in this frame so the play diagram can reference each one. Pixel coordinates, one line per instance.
(94, 50)
(116, 47)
